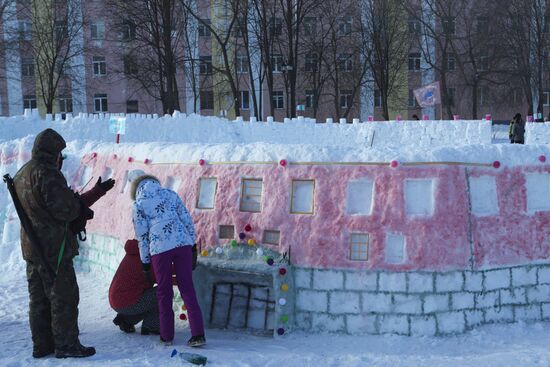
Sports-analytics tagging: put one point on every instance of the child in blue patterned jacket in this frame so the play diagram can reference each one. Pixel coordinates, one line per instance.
(166, 234)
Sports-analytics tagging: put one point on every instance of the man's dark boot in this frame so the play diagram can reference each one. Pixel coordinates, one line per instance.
(74, 351)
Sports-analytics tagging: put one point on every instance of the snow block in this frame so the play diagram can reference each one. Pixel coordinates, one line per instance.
(524, 276)
(302, 278)
(409, 304)
(473, 318)
(449, 282)
(362, 324)
(421, 283)
(540, 293)
(489, 299)
(450, 323)
(423, 326)
(328, 279)
(462, 301)
(514, 296)
(361, 281)
(499, 314)
(394, 324)
(496, 279)
(344, 302)
(436, 303)
(303, 320)
(328, 323)
(377, 302)
(528, 313)
(473, 281)
(392, 282)
(544, 275)
(312, 301)
(545, 311)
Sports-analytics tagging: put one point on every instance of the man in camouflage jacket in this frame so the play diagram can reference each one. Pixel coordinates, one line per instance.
(51, 207)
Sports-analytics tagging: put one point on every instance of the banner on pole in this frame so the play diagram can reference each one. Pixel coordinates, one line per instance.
(117, 125)
(429, 95)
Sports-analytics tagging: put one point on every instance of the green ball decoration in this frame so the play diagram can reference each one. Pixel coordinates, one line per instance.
(233, 243)
(284, 318)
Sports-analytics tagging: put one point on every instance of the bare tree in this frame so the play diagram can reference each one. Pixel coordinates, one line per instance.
(386, 44)
(55, 42)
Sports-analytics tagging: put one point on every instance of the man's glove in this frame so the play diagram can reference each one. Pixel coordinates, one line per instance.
(105, 185)
(147, 273)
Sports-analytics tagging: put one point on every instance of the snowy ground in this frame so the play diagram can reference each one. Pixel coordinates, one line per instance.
(502, 345)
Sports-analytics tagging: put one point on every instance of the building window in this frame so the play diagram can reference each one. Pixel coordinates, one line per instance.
(251, 195)
(25, 30)
(359, 247)
(483, 63)
(128, 30)
(412, 99)
(419, 199)
(130, 65)
(277, 63)
(344, 26)
(61, 31)
(100, 103)
(482, 25)
(310, 99)
(244, 97)
(27, 66)
(302, 199)
(310, 27)
(275, 27)
(99, 65)
(483, 96)
(414, 61)
(207, 100)
(207, 194)
(449, 25)
(278, 99)
(451, 96)
(359, 197)
(242, 64)
(345, 62)
(65, 104)
(205, 66)
(312, 60)
(414, 26)
(346, 100)
(450, 66)
(29, 101)
(226, 232)
(132, 106)
(98, 30)
(204, 30)
(377, 98)
(271, 237)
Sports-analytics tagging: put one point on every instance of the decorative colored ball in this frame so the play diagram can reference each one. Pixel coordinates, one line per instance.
(280, 331)
(282, 271)
(183, 317)
(282, 301)
(234, 243)
(242, 235)
(496, 164)
(219, 250)
(283, 162)
(94, 154)
(174, 353)
(270, 261)
(248, 228)
(259, 252)
(284, 318)
(204, 253)
(184, 307)
(202, 162)
(251, 242)
(542, 158)
(394, 164)
(130, 159)
(284, 287)
(147, 161)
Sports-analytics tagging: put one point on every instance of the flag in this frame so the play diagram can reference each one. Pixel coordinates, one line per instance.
(429, 95)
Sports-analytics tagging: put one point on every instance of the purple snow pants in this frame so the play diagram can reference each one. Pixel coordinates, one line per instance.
(182, 259)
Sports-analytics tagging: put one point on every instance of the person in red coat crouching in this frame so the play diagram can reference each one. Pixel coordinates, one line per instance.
(132, 294)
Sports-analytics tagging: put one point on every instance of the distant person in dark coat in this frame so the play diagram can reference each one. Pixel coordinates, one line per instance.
(517, 130)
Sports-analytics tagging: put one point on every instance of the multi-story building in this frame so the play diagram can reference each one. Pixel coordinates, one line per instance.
(259, 61)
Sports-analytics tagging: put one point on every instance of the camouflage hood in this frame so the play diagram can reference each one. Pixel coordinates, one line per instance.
(47, 146)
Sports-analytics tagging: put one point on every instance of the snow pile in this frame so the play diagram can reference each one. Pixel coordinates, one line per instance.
(537, 133)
